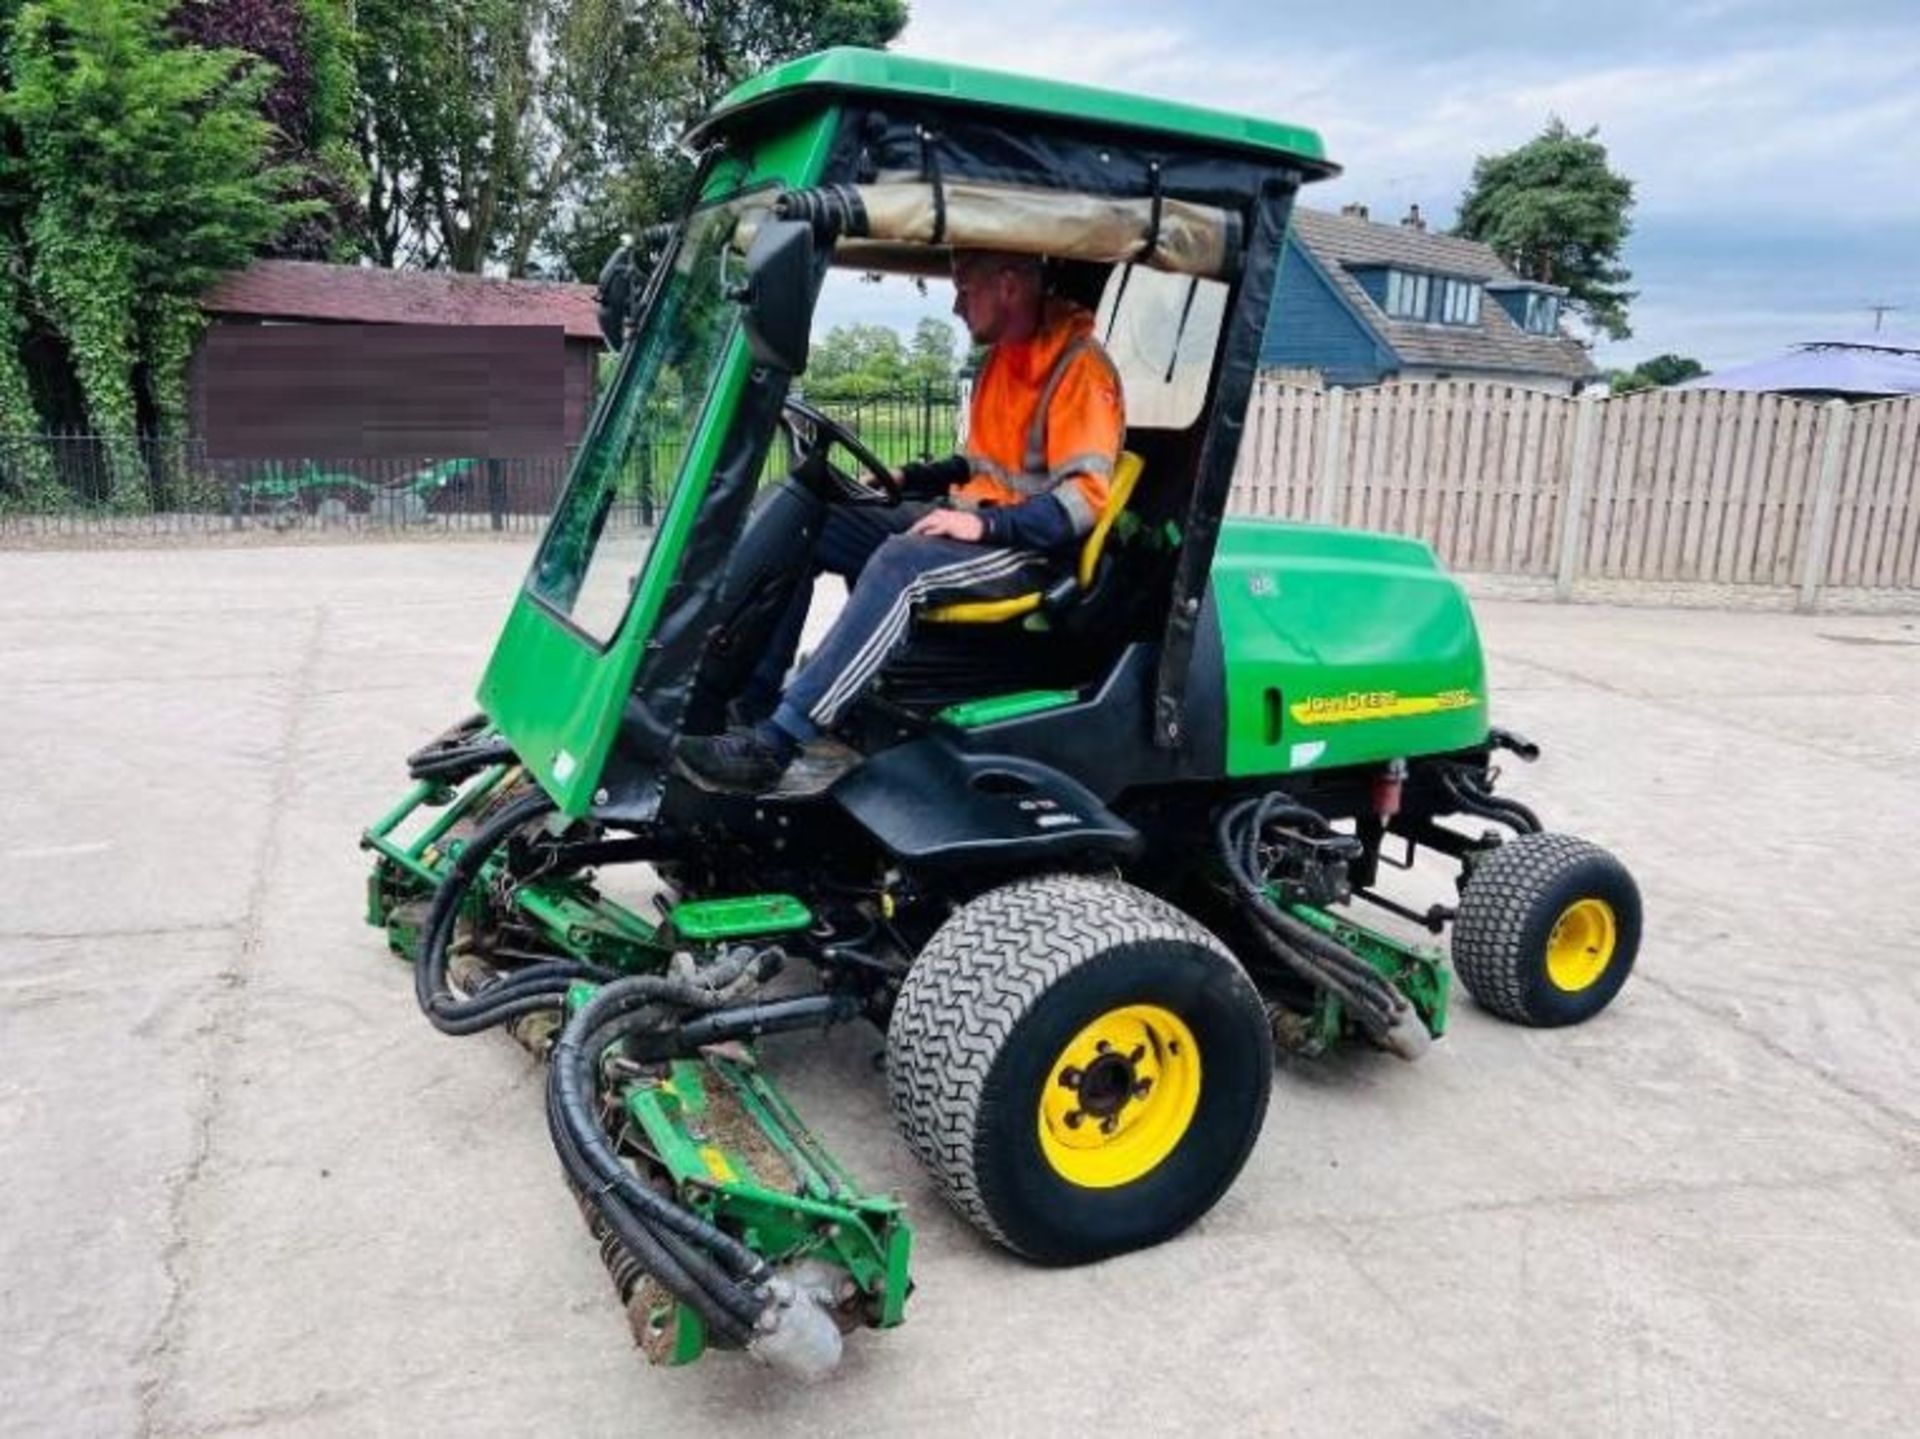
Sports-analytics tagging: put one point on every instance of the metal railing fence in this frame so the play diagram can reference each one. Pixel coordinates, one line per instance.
(77, 483)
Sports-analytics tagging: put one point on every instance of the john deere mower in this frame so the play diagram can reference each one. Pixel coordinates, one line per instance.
(1084, 856)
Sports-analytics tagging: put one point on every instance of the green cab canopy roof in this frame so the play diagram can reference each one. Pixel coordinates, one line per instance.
(878, 72)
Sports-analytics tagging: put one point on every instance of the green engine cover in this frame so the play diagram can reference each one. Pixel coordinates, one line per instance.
(1342, 648)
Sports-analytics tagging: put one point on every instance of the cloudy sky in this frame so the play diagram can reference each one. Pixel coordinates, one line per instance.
(1774, 144)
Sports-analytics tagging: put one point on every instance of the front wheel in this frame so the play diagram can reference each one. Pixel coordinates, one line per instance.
(1082, 1068)
(1548, 929)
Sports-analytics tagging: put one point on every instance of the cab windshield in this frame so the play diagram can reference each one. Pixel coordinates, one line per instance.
(633, 460)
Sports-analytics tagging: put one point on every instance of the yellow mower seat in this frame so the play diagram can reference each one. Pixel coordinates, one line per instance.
(1126, 475)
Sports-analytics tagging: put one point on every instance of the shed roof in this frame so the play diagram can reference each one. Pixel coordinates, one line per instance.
(1342, 241)
(309, 290)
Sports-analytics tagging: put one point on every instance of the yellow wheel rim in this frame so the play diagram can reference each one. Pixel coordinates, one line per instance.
(1581, 945)
(1119, 1097)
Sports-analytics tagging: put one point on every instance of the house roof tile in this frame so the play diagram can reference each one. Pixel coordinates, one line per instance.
(1342, 243)
(307, 290)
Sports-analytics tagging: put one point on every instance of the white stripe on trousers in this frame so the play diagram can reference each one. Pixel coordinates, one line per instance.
(969, 571)
(873, 654)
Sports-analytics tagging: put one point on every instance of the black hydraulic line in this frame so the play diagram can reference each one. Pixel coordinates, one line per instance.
(620, 1026)
(1320, 959)
(1339, 963)
(463, 762)
(1517, 744)
(728, 1310)
(541, 986)
(1358, 995)
(670, 1243)
(1521, 812)
(805, 1011)
(506, 1013)
(571, 1083)
(1333, 967)
(696, 1267)
(1478, 800)
(700, 1269)
(647, 1015)
(462, 750)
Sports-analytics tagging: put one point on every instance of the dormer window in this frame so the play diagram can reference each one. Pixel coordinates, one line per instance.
(1459, 302)
(1407, 295)
(1543, 314)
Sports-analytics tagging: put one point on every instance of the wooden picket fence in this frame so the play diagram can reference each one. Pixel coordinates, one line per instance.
(1671, 486)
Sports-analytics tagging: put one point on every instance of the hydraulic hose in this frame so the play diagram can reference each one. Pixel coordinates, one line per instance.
(695, 1261)
(456, 764)
(459, 752)
(539, 986)
(640, 1003)
(1475, 798)
(690, 1276)
(570, 1083)
(1322, 961)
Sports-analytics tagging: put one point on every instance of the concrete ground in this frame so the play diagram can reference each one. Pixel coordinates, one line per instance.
(243, 1187)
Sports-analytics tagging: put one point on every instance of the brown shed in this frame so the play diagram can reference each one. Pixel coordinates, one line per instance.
(342, 363)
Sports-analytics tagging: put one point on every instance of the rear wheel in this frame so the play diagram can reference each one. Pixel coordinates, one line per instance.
(1548, 929)
(1082, 1067)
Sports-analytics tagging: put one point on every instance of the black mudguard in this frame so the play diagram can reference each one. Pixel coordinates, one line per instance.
(930, 804)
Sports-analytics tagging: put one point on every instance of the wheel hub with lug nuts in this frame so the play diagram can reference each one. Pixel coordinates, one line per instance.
(1119, 1096)
(1581, 945)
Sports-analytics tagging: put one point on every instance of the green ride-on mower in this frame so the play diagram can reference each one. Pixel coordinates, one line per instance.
(1084, 856)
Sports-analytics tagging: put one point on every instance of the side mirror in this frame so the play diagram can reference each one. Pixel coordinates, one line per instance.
(615, 294)
(623, 281)
(779, 294)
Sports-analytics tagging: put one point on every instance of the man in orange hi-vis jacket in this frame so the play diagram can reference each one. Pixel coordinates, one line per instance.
(1043, 435)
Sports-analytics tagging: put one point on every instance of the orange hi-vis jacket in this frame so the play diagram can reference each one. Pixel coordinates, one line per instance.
(1047, 418)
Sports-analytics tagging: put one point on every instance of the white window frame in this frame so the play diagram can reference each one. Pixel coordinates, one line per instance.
(1408, 294)
(1460, 302)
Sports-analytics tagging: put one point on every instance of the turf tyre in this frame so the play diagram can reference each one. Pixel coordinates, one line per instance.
(1508, 910)
(985, 1011)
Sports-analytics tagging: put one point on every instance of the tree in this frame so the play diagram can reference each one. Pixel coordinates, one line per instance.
(857, 362)
(531, 134)
(147, 166)
(736, 39)
(865, 362)
(31, 471)
(1554, 212)
(1671, 369)
(931, 352)
(447, 109)
(682, 56)
(1654, 374)
(310, 104)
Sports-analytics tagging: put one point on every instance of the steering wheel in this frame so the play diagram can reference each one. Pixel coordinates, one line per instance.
(811, 436)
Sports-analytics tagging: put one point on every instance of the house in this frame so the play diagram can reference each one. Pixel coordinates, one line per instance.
(338, 362)
(1357, 302)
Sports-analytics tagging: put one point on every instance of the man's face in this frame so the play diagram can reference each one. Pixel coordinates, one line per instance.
(993, 299)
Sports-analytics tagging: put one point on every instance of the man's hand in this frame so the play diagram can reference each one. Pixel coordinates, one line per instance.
(950, 524)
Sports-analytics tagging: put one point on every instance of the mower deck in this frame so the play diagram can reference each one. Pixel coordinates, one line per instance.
(711, 1129)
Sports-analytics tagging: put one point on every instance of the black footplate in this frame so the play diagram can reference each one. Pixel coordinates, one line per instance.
(932, 804)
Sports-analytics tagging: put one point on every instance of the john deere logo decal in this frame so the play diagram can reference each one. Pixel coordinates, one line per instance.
(1357, 706)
